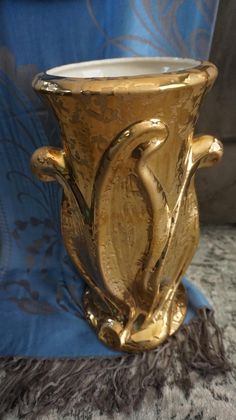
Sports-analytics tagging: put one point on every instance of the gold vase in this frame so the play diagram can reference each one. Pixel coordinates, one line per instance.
(129, 213)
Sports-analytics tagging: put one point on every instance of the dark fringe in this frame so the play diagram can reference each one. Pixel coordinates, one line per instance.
(33, 387)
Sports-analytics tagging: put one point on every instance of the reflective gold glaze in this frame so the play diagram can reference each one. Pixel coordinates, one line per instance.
(129, 212)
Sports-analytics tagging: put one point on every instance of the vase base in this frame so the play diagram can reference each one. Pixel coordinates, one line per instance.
(141, 336)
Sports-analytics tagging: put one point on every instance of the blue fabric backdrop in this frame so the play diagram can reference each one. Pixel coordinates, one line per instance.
(39, 288)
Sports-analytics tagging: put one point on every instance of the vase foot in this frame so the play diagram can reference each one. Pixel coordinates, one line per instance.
(112, 329)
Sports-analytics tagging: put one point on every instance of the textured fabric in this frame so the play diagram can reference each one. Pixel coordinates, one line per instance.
(59, 333)
(213, 270)
(40, 291)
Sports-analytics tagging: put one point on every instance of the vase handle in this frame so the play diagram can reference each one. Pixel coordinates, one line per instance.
(207, 150)
(49, 164)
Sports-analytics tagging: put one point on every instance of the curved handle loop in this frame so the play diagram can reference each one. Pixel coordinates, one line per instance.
(49, 164)
(207, 150)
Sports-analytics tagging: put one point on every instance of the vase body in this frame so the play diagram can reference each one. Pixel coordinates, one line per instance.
(129, 214)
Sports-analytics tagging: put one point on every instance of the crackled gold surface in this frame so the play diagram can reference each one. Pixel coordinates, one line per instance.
(129, 212)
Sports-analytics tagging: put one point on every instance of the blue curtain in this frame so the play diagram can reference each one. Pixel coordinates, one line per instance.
(37, 281)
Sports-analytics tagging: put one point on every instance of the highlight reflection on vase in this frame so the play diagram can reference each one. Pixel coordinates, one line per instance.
(129, 212)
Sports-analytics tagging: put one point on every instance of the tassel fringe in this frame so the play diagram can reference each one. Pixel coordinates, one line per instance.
(33, 387)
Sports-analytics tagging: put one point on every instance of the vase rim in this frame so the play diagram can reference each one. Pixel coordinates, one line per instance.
(184, 72)
(123, 67)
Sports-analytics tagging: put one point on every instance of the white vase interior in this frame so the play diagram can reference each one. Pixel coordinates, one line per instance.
(123, 67)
